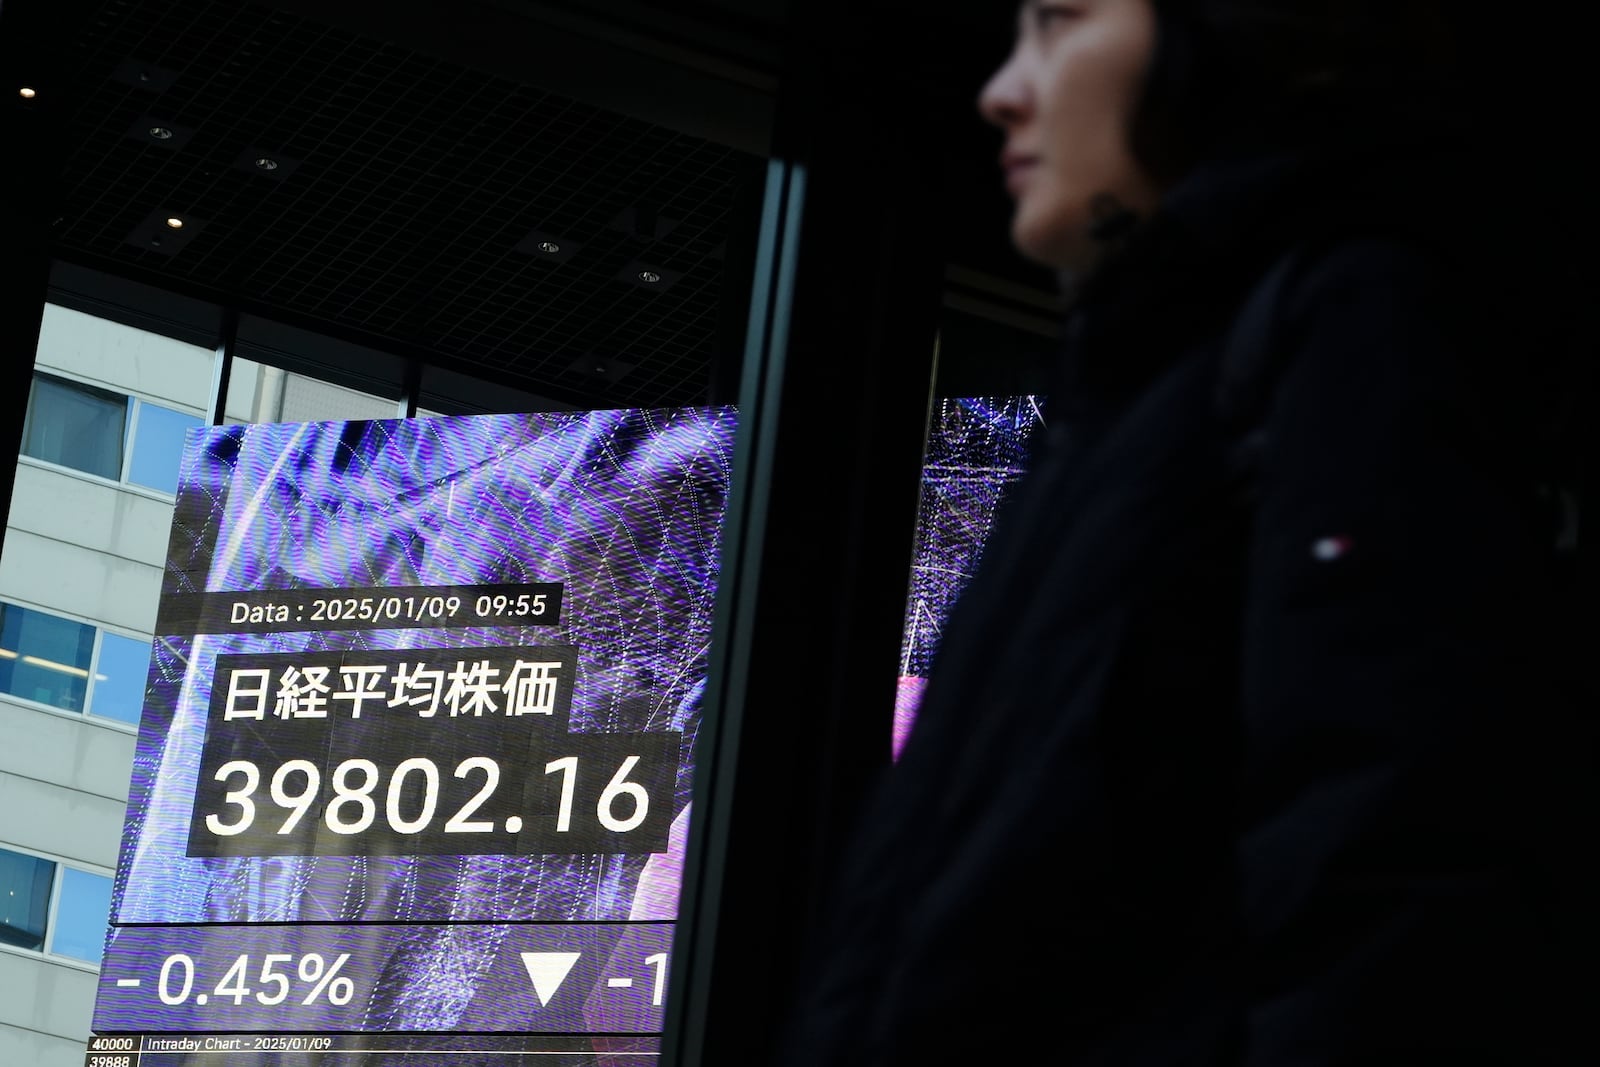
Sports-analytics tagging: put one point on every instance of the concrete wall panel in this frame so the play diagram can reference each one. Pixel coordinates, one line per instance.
(45, 1004)
(75, 752)
(79, 827)
(71, 579)
(109, 354)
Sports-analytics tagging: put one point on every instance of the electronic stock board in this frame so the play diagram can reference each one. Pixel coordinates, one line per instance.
(412, 780)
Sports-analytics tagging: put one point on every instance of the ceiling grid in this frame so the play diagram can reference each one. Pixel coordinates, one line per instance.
(384, 194)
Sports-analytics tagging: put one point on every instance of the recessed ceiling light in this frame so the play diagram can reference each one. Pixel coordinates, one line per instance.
(549, 249)
(166, 231)
(265, 162)
(597, 368)
(26, 92)
(163, 132)
(144, 76)
(651, 277)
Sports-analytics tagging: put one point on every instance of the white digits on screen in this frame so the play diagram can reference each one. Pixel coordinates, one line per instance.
(430, 795)
(619, 786)
(344, 796)
(241, 797)
(298, 803)
(568, 766)
(459, 823)
(605, 809)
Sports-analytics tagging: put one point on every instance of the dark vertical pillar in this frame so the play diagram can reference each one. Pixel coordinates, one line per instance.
(834, 399)
(411, 388)
(30, 59)
(733, 301)
(1586, 599)
(227, 344)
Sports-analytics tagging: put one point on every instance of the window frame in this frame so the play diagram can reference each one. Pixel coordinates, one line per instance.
(100, 632)
(56, 382)
(88, 669)
(52, 910)
(87, 713)
(130, 431)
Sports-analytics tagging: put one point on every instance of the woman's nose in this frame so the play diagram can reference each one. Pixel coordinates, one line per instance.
(1004, 99)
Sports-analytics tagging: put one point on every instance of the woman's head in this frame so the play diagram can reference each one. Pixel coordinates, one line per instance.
(1105, 104)
(1066, 98)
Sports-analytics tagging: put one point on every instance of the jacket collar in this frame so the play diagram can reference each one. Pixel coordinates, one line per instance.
(1177, 277)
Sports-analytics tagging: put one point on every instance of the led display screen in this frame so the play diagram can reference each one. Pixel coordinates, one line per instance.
(977, 450)
(411, 783)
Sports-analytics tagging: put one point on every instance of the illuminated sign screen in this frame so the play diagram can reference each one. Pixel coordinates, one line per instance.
(977, 450)
(411, 784)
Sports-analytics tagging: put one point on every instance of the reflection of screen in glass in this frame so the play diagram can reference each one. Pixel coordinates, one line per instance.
(415, 753)
(977, 450)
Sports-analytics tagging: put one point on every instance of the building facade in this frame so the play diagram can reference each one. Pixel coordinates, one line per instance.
(86, 540)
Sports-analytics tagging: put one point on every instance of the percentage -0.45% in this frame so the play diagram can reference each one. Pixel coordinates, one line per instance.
(273, 982)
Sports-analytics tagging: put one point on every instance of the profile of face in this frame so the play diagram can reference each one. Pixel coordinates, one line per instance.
(1065, 99)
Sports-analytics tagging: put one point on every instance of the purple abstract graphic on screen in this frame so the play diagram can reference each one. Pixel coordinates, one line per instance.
(439, 674)
(977, 450)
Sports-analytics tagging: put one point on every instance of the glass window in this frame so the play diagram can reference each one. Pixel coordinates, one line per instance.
(24, 898)
(258, 392)
(44, 657)
(82, 914)
(75, 425)
(158, 446)
(119, 678)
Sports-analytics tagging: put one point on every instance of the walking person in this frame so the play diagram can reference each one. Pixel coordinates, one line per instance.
(1245, 746)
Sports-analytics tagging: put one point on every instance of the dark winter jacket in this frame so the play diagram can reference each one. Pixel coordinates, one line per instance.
(1245, 746)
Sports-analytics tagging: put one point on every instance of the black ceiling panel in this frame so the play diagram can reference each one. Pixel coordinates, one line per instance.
(351, 183)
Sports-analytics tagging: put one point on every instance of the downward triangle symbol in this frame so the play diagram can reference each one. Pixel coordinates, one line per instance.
(547, 970)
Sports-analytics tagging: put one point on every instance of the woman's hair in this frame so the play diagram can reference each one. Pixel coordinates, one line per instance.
(1232, 70)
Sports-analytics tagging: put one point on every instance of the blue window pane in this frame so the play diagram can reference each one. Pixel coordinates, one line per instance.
(82, 915)
(43, 657)
(75, 425)
(24, 898)
(119, 677)
(158, 446)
